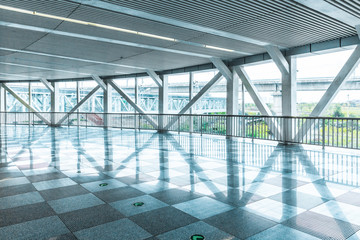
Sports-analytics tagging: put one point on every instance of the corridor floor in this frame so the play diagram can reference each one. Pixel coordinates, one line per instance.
(94, 183)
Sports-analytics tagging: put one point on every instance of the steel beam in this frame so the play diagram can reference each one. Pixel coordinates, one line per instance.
(260, 104)
(330, 10)
(23, 102)
(79, 104)
(358, 30)
(131, 102)
(154, 77)
(47, 84)
(198, 96)
(279, 59)
(99, 81)
(333, 90)
(220, 65)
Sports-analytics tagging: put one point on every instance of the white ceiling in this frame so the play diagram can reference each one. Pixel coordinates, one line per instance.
(77, 50)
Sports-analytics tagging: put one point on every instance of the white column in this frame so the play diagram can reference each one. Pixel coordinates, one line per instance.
(232, 98)
(163, 100)
(191, 95)
(136, 100)
(288, 98)
(107, 104)
(54, 102)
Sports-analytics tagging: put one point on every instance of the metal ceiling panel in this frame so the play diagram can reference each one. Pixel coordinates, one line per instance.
(18, 39)
(162, 61)
(223, 42)
(87, 49)
(58, 8)
(15, 17)
(288, 23)
(350, 6)
(41, 61)
(207, 51)
(111, 34)
(95, 15)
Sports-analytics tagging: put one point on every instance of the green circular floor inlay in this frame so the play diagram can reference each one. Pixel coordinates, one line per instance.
(197, 237)
(138, 204)
(103, 184)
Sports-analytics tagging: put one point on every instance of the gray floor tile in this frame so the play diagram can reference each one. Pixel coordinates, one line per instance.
(117, 194)
(95, 186)
(153, 186)
(43, 228)
(120, 229)
(15, 190)
(240, 223)
(90, 217)
(13, 181)
(63, 192)
(127, 208)
(350, 198)
(322, 226)
(209, 232)
(281, 232)
(203, 207)
(298, 199)
(69, 204)
(20, 200)
(25, 213)
(135, 179)
(45, 185)
(162, 220)
(174, 196)
(46, 177)
(85, 178)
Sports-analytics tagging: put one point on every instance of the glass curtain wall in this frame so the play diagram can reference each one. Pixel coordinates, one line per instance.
(323, 68)
(40, 97)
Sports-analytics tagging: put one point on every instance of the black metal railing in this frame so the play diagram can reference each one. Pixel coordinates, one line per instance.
(323, 131)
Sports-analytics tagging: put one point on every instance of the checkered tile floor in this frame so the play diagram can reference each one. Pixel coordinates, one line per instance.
(81, 183)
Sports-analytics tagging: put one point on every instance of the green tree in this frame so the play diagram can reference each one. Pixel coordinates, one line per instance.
(338, 112)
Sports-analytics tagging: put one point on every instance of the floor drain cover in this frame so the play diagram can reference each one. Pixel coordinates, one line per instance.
(197, 237)
(103, 184)
(138, 204)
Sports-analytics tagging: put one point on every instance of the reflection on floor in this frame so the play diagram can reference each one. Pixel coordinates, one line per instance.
(82, 183)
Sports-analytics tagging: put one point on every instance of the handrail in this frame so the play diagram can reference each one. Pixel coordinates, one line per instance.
(322, 131)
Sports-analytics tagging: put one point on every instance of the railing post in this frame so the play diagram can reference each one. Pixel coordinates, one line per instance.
(86, 117)
(121, 120)
(179, 124)
(201, 121)
(15, 118)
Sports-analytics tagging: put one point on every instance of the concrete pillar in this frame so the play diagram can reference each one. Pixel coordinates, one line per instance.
(232, 98)
(107, 104)
(289, 99)
(54, 102)
(163, 101)
(191, 95)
